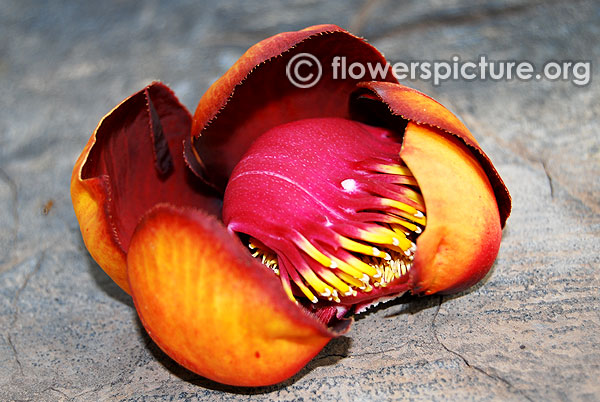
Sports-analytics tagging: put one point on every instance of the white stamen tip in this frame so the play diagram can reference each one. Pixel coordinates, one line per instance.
(419, 214)
(315, 300)
(395, 242)
(376, 252)
(333, 265)
(387, 257)
(418, 230)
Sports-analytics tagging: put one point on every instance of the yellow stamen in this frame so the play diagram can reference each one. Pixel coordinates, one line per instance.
(348, 269)
(309, 295)
(381, 235)
(312, 251)
(387, 202)
(404, 268)
(317, 284)
(406, 180)
(393, 169)
(362, 248)
(402, 225)
(420, 219)
(367, 270)
(414, 196)
(336, 282)
(334, 297)
(352, 281)
(288, 290)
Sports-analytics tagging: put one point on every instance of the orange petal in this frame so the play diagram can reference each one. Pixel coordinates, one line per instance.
(133, 160)
(256, 95)
(212, 307)
(415, 106)
(463, 232)
(89, 202)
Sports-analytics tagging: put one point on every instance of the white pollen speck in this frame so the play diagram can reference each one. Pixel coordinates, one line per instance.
(349, 185)
(328, 223)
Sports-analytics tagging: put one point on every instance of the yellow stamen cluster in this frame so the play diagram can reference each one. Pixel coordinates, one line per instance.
(267, 257)
(373, 256)
(343, 278)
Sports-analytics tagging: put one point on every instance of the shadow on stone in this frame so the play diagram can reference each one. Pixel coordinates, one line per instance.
(102, 280)
(334, 351)
(413, 304)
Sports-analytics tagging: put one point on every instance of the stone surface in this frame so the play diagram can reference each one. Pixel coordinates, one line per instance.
(530, 331)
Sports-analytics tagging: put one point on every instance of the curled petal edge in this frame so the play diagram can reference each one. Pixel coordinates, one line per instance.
(89, 199)
(217, 96)
(133, 161)
(463, 232)
(419, 108)
(212, 307)
(257, 94)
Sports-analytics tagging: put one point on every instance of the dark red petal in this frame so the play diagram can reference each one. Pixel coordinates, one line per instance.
(415, 106)
(137, 152)
(256, 95)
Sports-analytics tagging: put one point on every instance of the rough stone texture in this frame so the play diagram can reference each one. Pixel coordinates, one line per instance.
(530, 331)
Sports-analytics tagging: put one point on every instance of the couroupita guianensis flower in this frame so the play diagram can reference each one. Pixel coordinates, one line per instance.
(249, 233)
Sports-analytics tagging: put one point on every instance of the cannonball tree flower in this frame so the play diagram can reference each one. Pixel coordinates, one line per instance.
(250, 233)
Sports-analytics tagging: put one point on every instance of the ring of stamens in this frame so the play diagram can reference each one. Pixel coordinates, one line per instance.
(370, 254)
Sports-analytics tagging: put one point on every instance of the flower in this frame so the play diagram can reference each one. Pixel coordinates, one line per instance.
(249, 233)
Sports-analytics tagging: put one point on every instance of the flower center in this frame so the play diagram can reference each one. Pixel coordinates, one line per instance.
(330, 207)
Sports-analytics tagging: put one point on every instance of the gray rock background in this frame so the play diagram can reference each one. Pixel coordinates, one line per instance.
(530, 331)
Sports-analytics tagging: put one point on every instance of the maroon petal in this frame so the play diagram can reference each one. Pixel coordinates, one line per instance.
(256, 95)
(136, 154)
